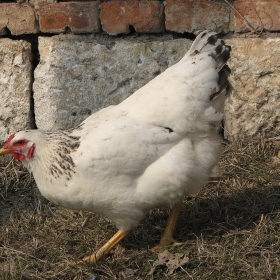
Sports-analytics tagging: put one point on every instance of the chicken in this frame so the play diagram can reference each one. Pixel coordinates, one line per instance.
(151, 150)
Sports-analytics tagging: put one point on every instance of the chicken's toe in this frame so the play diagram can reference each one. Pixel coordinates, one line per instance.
(105, 249)
(163, 243)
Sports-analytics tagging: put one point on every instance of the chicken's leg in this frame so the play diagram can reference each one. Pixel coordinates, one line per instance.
(106, 248)
(167, 237)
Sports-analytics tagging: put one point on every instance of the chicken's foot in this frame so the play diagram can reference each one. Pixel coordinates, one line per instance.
(106, 248)
(167, 237)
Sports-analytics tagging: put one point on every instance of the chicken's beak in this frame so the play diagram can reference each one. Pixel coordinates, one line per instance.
(4, 151)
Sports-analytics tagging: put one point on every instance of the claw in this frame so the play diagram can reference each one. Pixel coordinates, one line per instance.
(163, 243)
(105, 249)
(167, 237)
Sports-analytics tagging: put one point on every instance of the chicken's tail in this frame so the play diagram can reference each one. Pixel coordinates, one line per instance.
(208, 43)
(206, 64)
(195, 86)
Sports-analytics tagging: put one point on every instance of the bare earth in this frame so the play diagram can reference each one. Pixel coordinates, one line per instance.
(230, 230)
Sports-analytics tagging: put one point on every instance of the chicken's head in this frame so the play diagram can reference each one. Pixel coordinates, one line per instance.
(20, 147)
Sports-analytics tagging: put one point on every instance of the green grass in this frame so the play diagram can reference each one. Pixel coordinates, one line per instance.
(230, 230)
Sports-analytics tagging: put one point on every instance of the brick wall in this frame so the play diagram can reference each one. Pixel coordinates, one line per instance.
(122, 17)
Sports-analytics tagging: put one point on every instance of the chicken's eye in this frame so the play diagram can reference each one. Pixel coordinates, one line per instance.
(20, 142)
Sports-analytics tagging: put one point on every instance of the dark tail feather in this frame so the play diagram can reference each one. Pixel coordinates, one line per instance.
(221, 55)
(209, 42)
(223, 81)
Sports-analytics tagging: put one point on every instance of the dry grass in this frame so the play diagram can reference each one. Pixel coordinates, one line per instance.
(230, 230)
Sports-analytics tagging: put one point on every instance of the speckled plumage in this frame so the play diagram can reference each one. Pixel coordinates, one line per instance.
(151, 150)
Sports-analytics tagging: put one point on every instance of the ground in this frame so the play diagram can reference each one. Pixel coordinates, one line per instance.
(230, 230)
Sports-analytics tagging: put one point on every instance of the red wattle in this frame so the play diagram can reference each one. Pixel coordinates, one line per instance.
(18, 156)
(31, 152)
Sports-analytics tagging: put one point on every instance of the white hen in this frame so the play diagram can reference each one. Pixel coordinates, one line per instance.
(151, 150)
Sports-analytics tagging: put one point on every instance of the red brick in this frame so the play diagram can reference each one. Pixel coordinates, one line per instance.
(19, 19)
(144, 16)
(189, 15)
(179, 15)
(80, 17)
(260, 14)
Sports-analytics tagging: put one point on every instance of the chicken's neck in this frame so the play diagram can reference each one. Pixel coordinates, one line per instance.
(52, 159)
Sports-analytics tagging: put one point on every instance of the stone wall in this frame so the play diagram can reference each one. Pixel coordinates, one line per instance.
(15, 85)
(60, 62)
(253, 106)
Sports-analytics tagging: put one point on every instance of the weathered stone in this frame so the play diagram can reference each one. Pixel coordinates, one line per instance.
(78, 75)
(252, 108)
(15, 86)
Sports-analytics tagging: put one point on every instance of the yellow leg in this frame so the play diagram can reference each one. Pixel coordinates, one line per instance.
(106, 248)
(167, 237)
